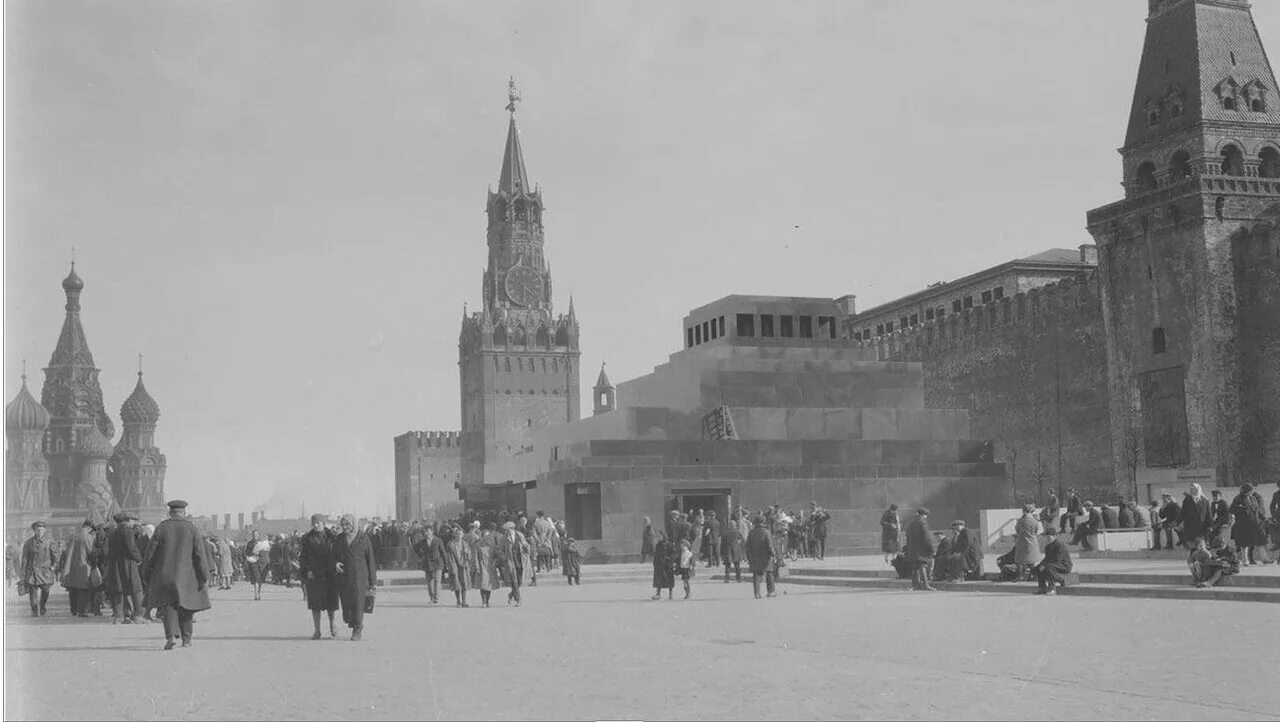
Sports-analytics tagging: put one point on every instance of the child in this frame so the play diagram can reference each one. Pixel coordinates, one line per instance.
(686, 566)
(571, 561)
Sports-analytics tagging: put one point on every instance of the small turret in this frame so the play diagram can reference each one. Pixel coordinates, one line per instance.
(605, 400)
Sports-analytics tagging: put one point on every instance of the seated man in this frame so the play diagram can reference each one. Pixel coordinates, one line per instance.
(963, 560)
(1091, 525)
(941, 557)
(1210, 567)
(1010, 569)
(1110, 517)
(1054, 567)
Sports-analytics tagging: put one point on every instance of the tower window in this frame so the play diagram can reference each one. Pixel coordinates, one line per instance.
(706, 330)
(1147, 176)
(720, 321)
(1220, 207)
(986, 297)
(915, 319)
(1257, 105)
(1157, 340)
(1269, 163)
(928, 314)
(955, 305)
(1180, 164)
(1233, 58)
(786, 326)
(998, 292)
(1232, 161)
(880, 329)
(1228, 103)
(746, 325)
(806, 327)
(697, 334)
(766, 325)
(968, 301)
(1153, 118)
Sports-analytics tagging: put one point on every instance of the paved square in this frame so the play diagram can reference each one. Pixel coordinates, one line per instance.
(604, 651)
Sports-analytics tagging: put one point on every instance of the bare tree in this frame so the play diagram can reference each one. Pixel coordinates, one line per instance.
(1131, 450)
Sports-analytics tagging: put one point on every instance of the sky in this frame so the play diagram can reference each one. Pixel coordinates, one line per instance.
(280, 204)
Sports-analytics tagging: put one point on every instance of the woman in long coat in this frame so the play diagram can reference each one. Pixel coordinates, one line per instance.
(485, 573)
(120, 572)
(226, 562)
(1249, 530)
(664, 565)
(890, 533)
(458, 557)
(1026, 538)
(319, 578)
(77, 568)
(357, 573)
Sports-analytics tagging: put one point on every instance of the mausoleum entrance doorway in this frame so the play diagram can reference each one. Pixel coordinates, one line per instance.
(688, 500)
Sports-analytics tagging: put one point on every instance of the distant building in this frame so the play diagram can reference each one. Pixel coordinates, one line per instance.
(428, 472)
(517, 359)
(975, 290)
(61, 464)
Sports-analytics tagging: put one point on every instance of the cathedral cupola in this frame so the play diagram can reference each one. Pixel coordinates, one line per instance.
(24, 413)
(140, 408)
(94, 445)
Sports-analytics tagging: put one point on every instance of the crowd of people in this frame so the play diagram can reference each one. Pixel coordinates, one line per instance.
(1220, 537)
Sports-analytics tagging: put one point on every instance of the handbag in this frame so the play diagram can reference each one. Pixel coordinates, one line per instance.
(95, 578)
(368, 603)
(22, 588)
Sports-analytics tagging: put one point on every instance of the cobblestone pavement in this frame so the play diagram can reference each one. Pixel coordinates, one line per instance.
(604, 651)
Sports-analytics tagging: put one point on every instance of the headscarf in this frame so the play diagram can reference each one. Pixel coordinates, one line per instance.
(1196, 492)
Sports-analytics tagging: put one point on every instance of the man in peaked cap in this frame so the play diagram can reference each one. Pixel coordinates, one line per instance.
(37, 568)
(177, 574)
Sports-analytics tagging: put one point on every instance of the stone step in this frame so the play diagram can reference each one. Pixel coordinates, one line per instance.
(1242, 580)
(1149, 591)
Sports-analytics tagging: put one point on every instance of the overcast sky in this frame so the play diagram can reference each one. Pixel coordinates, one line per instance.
(281, 203)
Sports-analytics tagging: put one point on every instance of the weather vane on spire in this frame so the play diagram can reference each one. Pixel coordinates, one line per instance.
(513, 95)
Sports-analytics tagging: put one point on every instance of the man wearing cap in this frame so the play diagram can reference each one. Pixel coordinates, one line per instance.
(920, 550)
(1219, 517)
(510, 553)
(1054, 567)
(37, 568)
(121, 572)
(177, 574)
(1091, 525)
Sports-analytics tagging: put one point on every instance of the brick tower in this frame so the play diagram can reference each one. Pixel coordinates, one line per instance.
(1192, 326)
(517, 361)
(73, 399)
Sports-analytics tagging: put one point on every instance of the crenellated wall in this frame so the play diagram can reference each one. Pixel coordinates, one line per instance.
(428, 465)
(1031, 370)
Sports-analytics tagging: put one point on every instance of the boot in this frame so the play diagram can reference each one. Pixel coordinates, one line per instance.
(355, 633)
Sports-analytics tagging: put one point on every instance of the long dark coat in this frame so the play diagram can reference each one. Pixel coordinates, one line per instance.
(430, 551)
(460, 560)
(1195, 518)
(890, 533)
(175, 572)
(731, 544)
(359, 575)
(760, 551)
(646, 540)
(38, 562)
(664, 564)
(120, 573)
(570, 558)
(920, 548)
(316, 567)
(1248, 530)
(484, 570)
(77, 560)
(509, 556)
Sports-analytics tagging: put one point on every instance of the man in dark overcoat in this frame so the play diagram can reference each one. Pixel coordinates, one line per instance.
(430, 550)
(38, 561)
(761, 557)
(120, 573)
(357, 570)
(920, 550)
(177, 574)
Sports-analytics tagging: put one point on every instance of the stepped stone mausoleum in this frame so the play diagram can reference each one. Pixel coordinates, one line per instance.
(763, 406)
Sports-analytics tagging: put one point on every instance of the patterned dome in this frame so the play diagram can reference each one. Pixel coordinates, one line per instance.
(140, 408)
(94, 445)
(72, 282)
(24, 413)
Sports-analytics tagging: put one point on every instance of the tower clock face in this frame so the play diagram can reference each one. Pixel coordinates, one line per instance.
(524, 286)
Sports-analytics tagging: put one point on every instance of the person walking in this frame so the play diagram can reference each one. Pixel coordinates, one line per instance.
(485, 572)
(430, 550)
(731, 548)
(715, 530)
(357, 573)
(818, 520)
(38, 564)
(890, 533)
(687, 563)
(316, 567)
(920, 550)
(77, 569)
(177, 575)
(458, 557)
(1250, 524)
(226, 562)
(257, 562)
(761, 557)
(120, 576)
(571, 561)
(511, 553)
(646, 540)
(664, 565)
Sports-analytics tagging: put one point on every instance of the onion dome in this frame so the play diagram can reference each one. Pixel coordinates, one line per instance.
(94, 445)
(140, 408)
(24, 413)
(72, 282)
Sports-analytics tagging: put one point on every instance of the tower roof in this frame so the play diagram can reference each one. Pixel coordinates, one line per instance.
(1196, 53)
(24, 413)
(72, 349)
(514, 179)
(603, 380)
(140, 408)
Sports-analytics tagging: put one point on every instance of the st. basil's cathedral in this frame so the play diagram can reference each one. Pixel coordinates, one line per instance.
(61, 466)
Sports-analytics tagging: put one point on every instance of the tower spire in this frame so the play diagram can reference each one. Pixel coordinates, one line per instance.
(514, 179)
